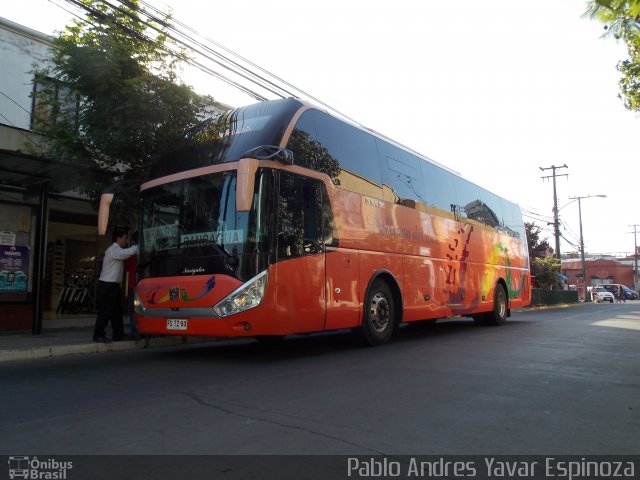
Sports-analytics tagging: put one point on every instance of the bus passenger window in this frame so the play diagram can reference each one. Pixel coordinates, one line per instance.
(355, 153)
(303, 142)
(401, 172)
(439, 190)
(469, 205)
(308, 152)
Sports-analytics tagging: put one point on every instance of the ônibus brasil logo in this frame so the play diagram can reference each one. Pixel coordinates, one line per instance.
(37, 469)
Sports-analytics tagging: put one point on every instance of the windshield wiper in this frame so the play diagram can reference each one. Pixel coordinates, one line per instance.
(153, 254)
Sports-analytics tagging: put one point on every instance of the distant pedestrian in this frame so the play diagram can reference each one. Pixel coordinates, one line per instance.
(108, 294)
(621, 297)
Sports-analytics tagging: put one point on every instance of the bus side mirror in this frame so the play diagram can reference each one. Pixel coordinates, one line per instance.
(285, 156)
(103, 212)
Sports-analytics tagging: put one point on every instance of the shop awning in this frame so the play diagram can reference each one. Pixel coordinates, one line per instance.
(18, 169)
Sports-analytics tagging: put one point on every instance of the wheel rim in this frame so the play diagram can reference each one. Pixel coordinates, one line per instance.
(501, 304)
(379, 313)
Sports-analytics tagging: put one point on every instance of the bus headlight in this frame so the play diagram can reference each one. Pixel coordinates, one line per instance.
(138, 306)
(248, 296)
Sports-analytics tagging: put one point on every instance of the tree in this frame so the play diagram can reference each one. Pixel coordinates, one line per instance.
(544, 268)
(131, 108)
(622, 20)
(546, 272)
(537, 248)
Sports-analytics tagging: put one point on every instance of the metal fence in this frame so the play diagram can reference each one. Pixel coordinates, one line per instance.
(553, 297)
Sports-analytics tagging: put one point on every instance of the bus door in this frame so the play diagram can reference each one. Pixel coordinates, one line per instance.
(300, 266)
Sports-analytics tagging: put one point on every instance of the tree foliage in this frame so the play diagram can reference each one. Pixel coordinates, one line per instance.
(621, 20)
(537, 248)
(131, 107)
(544, 268)
(546, 272)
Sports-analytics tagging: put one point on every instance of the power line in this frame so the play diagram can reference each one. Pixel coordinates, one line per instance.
(536, 216)
(19, 130)
(541, 216)
(240, 57)
(195, 46)
(171, 52)
(75, 14)
(284, 93)
(568, 229)
(568, 241)
(14, 102)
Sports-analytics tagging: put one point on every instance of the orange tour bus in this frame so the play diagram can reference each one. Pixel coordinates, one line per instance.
(289, 220)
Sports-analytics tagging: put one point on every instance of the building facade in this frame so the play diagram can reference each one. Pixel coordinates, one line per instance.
(46, 235)
(599, 271)
(49, 247)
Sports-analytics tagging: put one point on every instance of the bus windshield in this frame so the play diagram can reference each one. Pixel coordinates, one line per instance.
(191, 227)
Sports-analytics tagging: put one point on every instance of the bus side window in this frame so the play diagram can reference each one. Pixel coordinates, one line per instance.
(401, 172)
(303, 142)
(439, 190)
(354, 152)
(307, 150)
(469, 204)
(513, 225)
(492, 210)
(300, 216)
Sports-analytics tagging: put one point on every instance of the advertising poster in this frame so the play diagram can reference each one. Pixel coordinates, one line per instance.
(14, 267)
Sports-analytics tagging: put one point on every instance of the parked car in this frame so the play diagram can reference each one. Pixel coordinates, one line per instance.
(599, 294)
(629, 294)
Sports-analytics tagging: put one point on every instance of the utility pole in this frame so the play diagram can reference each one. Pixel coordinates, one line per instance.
(582, 260)
(556, 221)
(635, 257)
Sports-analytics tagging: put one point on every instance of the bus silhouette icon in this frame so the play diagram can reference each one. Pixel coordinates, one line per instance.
(18, 467)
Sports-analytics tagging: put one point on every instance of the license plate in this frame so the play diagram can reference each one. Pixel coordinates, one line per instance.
(176, 324)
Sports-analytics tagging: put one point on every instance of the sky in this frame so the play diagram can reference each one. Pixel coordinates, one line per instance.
(493, 90)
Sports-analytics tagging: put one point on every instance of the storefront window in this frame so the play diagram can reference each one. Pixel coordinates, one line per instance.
(17, 231)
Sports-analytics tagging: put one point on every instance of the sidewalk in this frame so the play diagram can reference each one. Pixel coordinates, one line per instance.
(73, 335)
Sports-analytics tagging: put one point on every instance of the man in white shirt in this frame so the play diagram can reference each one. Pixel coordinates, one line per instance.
(108, 294)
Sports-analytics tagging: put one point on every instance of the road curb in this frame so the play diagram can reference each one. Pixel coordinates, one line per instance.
(537, 308)
(13, 355)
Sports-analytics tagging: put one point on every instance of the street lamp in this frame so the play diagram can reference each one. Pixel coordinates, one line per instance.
(584, 264)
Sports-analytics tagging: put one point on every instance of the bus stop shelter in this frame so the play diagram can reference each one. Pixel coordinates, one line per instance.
(27, 183)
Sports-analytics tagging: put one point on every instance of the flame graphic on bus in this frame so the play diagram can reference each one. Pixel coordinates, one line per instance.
(206, 288)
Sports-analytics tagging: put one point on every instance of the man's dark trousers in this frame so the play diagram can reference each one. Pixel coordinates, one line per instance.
(109, 306)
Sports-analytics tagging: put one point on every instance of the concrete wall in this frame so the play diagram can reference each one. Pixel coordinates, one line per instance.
(20, 48)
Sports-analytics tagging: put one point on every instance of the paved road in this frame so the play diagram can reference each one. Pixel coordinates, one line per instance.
(556, 381)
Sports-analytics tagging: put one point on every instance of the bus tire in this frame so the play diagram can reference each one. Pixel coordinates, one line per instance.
(500, 307)
(379, 320)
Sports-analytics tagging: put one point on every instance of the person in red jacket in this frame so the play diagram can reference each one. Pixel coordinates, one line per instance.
(131, 277)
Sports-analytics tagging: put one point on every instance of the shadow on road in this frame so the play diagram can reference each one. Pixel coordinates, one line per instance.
(251, 351)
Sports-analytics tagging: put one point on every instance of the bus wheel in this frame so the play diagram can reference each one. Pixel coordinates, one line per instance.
(500, 307)
(379, 315)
